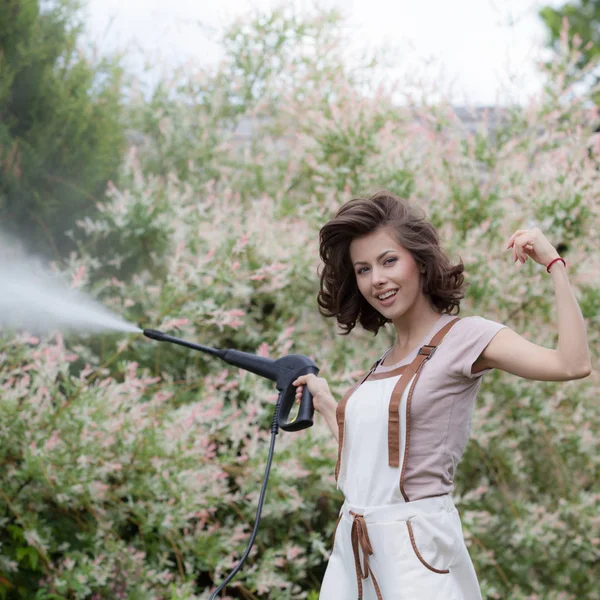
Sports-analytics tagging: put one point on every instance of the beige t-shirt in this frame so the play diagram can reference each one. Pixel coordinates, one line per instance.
(440, 418)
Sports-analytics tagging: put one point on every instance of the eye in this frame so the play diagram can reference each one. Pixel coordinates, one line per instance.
(385, 262)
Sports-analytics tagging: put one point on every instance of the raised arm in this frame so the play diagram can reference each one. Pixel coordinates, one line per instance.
(511, 352)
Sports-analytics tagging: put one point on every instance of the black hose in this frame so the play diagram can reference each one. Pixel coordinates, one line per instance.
(261, 498)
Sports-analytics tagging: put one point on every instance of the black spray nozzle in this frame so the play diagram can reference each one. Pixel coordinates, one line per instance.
(265, 367)
(154, 334)
(282, 371)
(165, 337)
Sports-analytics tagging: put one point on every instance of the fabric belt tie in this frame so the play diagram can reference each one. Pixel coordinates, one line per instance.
(360, 538)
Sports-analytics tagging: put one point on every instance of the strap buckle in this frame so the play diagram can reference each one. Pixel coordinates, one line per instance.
(427, 351)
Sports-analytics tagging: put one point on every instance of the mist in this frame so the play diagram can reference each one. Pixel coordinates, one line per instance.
(39, 301)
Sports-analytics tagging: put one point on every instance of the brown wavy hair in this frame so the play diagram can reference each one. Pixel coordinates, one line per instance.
(339, 295)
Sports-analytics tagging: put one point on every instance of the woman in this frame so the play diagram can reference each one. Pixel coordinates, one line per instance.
(402, 429)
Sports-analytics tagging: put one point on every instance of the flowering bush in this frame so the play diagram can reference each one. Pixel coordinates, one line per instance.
(131, 469)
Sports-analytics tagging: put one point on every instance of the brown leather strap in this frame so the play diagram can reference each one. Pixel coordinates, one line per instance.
(340, 413)
(360, 539)
(425, 353)
(394, 412)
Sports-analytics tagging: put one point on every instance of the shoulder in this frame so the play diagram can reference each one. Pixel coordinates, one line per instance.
(468, 339)
(475, 319)
(475, 324)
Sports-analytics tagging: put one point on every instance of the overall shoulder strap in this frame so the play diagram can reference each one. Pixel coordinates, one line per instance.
(424, 354)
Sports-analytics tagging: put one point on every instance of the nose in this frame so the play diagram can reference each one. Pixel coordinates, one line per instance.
(378, 277)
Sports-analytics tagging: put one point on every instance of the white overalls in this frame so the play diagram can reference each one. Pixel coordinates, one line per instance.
(387, 547)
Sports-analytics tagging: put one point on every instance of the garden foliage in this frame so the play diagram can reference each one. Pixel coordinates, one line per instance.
(61, 133)
(131, 469)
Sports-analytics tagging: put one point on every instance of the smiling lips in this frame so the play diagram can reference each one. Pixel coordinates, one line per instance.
(388, 296)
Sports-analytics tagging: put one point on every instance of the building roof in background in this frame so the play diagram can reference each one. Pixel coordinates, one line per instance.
(471, 117)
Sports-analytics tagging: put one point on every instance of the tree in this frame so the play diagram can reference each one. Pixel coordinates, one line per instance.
(61, 136)
(583, 17)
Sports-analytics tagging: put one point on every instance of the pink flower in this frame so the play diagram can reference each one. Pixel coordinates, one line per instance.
(173, 323)
(53, 441)
(293, 552)
(77, 280)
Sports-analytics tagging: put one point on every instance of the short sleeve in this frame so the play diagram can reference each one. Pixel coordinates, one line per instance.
(472, 335)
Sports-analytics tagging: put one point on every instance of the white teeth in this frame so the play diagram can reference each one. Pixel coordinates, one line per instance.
(387, 295)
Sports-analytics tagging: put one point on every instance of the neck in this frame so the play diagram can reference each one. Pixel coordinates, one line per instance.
(414, 324)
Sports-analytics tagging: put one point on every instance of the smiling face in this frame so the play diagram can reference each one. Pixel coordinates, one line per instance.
(382, 265)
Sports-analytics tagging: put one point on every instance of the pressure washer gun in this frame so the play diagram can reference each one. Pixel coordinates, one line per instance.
(283, 372)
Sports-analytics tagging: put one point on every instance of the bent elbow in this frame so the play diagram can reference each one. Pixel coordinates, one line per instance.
(582, 372)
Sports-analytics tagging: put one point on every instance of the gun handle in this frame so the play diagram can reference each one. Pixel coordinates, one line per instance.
(304, 417)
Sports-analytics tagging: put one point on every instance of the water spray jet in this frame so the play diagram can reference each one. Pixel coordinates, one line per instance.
(39, 301)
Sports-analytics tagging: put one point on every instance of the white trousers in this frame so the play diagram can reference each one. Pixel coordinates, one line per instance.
(405, 551)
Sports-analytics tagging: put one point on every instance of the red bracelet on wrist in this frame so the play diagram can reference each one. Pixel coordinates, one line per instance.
(553, 261)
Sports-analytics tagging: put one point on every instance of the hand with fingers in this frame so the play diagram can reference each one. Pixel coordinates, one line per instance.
(532, 243)
(319, 389)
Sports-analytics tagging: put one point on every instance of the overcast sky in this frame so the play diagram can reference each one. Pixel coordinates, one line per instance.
(483, 50)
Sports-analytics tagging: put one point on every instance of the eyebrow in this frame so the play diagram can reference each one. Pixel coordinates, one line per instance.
(360, 262)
